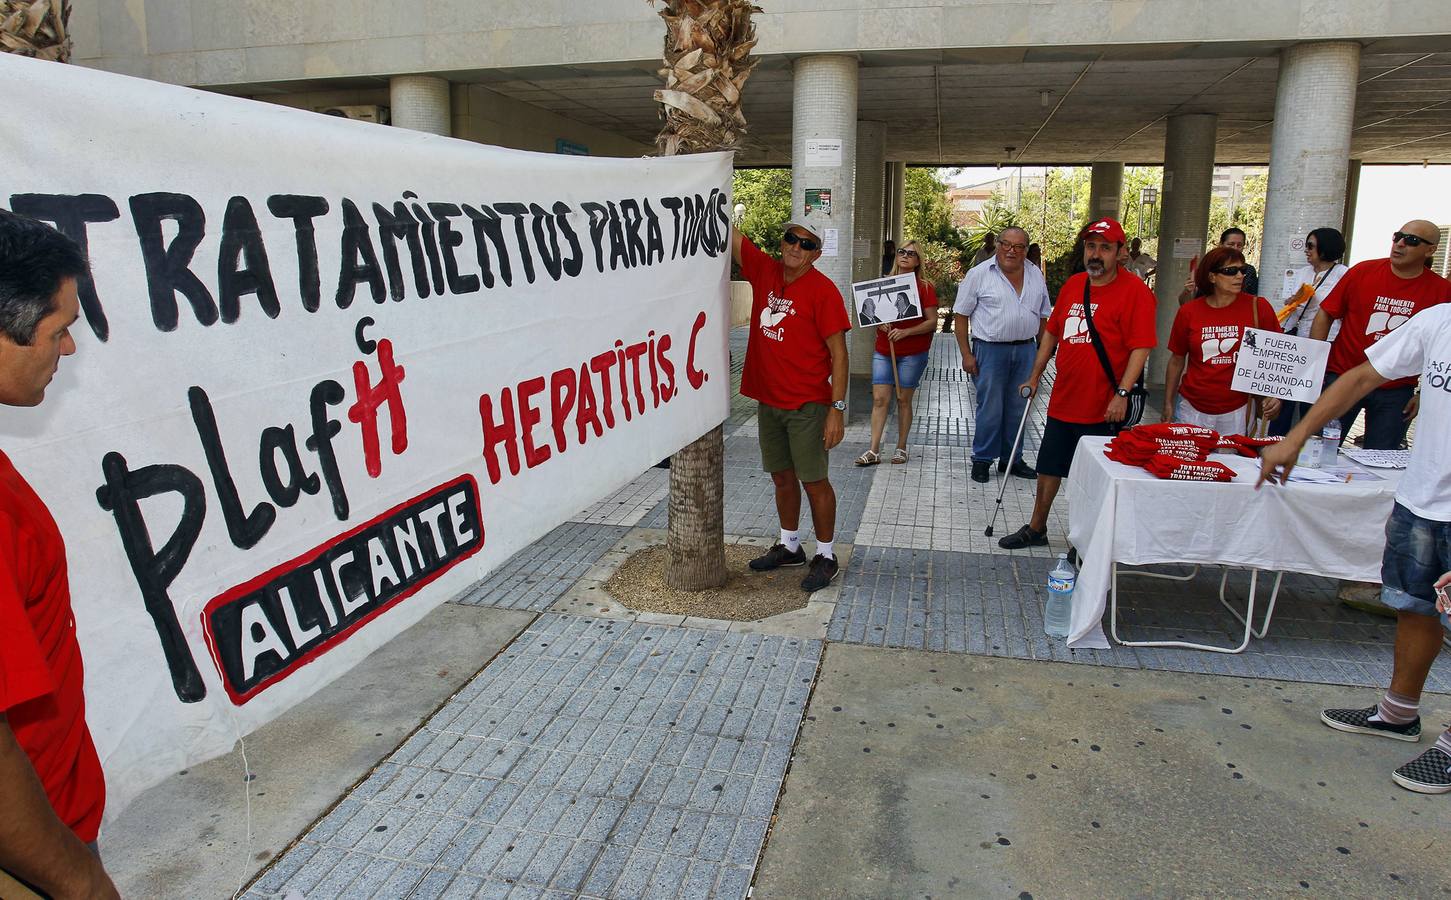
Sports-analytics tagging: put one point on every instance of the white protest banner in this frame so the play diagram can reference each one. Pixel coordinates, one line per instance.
(881, 301)
(1271, 364)
(329, 374)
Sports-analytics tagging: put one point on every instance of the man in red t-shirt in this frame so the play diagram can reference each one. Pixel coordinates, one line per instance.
(1084, 400)
(51, 788)
(1373, 299)
(795, 370)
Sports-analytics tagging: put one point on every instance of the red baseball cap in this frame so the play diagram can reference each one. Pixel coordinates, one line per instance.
(1108, 229)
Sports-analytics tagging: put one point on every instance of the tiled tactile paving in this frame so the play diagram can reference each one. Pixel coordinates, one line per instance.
(993, 604)
(592, 759)
(536, 576)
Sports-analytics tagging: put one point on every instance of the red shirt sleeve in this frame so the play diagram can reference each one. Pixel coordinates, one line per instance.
(753, 259)
(1145, 327)
(24, 674)
(1268, 320)
(1179, 332)
(929, 296)
(830, 312)
(1334, 305)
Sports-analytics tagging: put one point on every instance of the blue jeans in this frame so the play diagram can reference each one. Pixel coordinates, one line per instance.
(1001, 368)
(1385, 420)
(1418, 551)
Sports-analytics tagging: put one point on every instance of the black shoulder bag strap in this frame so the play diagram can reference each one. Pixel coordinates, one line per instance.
(1097, 341)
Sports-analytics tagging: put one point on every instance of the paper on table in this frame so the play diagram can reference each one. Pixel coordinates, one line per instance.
(1333, 475)
(1379, 459)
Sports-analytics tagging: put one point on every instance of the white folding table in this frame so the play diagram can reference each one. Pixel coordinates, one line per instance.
(1122, 515)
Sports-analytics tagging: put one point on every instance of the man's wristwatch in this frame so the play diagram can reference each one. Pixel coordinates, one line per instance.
(1122, 392)
(839, 405)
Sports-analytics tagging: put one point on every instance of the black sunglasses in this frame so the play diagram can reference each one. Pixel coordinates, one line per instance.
(906, 252)
(1410, 240)
(807, 244)
(1232, 271)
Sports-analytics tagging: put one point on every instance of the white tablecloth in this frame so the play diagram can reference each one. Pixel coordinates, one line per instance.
(1119, 513)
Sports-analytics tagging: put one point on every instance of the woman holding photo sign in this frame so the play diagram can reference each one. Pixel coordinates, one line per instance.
(1204, 344)
(899, 360)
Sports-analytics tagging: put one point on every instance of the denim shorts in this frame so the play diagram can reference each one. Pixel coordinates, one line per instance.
(909, 369)
(1418, 551)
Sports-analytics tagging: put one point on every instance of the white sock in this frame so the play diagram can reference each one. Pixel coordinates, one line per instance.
(791, 540)
(823, 548)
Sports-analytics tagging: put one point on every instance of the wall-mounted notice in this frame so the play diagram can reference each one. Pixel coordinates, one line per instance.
(823, 152)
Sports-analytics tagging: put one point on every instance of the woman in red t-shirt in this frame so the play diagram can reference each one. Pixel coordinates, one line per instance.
(913, 338)
(1204, 343)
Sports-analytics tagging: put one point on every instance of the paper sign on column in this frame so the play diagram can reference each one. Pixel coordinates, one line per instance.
(823, 152)
(829, 242)
(1186, 248)
(883, 300)
(1271, 364)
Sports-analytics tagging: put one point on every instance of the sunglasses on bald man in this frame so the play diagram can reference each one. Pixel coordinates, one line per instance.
(1410, 240)
(807, 244)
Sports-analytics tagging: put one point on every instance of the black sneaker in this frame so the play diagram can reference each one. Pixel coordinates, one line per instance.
(1359, 722)
(1021, 469)
(979, 470)
(1429, 773)
(778, 557)
(823, 571)
(1024, 537)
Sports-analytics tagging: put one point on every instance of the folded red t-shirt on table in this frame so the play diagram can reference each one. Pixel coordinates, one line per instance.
(1176, 469)
(1137, 446)
(1244, 445)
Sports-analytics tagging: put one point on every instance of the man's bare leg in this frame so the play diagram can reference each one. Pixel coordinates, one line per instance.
(1047, 491)
(822, 498)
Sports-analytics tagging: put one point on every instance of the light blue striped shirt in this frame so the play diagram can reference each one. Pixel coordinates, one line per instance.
(997, 311)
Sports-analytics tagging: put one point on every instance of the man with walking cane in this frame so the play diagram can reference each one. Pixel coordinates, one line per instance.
(1002, 303)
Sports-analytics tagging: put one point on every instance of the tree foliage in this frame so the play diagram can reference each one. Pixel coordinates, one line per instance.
(766, 195)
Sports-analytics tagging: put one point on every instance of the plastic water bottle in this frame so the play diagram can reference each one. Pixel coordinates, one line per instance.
(1330, 443)
(1059, 612)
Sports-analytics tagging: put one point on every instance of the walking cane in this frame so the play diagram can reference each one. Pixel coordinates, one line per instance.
(1012, 457)
(897, 382)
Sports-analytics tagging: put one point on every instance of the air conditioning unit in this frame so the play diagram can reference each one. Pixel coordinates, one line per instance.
(378, 114)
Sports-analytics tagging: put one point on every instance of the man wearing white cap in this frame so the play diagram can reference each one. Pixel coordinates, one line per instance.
(796, 370)
(1085, 401)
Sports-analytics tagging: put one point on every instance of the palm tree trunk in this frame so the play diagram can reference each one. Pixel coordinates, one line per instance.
(36, 28)
(707, 61)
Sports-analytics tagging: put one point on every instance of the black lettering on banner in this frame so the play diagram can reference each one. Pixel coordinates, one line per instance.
(548, 246)
(241, 238)
(519, 211)
(245, 529)
(654, 242)
(487, 224)
(302, 210)
(391, 227)
(168, 266)
(430, 242)
(262, 631)
(449, 239)
(155, 570)
(299, 481)
(324, 429)
(673, 204)
(598, 216)
(71, 213)
(575, 261)
(359, 259)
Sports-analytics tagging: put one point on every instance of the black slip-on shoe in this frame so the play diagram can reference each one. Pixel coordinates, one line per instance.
(1024, 537)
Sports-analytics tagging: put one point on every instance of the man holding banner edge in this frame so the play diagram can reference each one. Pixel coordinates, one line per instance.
(796, 371)
(52, 789)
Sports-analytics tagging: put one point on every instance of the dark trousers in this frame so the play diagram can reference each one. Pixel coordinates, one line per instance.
(1385, 419)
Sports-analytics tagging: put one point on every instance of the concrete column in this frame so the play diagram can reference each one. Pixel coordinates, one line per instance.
(1105, 190)
(897, 207)
(1309, 153)
(871, 146)
(823, 118)
(1352, 191)
(1188, 182)
(420, 102)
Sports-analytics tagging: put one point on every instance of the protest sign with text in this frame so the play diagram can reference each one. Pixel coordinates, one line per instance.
(1271, 364)
(329, 374)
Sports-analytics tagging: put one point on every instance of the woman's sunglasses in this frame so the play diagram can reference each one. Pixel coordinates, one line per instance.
(806, 243)
(1232, 271)
(908, 253)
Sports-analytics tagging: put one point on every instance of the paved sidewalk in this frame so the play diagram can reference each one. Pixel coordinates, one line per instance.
(612, 754)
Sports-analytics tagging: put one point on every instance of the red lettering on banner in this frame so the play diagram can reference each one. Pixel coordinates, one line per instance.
(364, 410)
